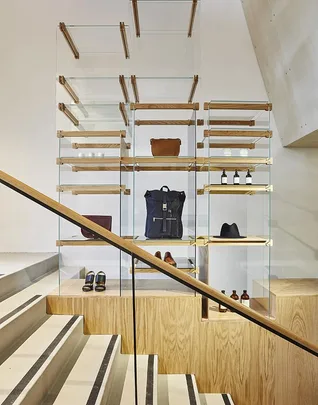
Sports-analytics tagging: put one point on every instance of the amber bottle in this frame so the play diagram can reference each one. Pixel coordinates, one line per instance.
(234, 296)
(245, 298)
(222, 308)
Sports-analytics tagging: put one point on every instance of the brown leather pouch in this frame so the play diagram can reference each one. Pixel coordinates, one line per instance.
(103, 220)
(165, 147)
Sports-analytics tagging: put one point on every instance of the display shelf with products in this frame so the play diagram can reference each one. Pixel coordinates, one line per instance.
(237, 146)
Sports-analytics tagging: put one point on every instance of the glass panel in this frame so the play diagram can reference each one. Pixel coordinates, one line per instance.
(171, 15)
(239, 190)
(164, 89)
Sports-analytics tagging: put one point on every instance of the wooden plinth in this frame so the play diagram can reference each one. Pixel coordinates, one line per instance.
(226, 355)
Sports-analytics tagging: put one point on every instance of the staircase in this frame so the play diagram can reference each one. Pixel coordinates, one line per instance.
(48, 360)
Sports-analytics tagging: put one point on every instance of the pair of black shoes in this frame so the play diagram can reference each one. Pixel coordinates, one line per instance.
(100, 281)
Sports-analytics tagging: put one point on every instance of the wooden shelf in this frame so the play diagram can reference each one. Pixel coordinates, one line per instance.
(79, 241)
(88, 160)
(248, 241)
(91, 134)
(232, 122)
(238, 106)
(93, 189)
(165, 106)
(237, 161)
(164, 122)
(98, 145)
(185, 265)
(238, 133)
(158, 160)
(235, 189)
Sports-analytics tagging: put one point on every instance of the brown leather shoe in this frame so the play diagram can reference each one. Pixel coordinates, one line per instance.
(158, 255)
(169, 259)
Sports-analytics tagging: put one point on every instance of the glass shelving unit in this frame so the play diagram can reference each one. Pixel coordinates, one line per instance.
(173, 26)
(238, 138)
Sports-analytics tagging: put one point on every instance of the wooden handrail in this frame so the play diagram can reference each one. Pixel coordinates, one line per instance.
(165, 268)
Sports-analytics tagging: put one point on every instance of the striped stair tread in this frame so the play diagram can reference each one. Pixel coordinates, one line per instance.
(147, 374)
(216, 399)
(90, 380)
(177, 389)
(27, 375)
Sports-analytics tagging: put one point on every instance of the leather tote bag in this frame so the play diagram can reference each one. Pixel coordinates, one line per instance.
(165, 147)
(103, 220)
(164, 213)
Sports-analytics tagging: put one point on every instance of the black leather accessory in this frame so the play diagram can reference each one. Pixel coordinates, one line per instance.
(100, 281)
(103, 220)
(89, 282)
(164, 212)
(230, 232)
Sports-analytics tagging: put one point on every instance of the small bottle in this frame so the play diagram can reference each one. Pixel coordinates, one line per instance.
(234, 296)
(245, 299)
(222, 308)
(236, 178)
(249, 180)
(224, 178)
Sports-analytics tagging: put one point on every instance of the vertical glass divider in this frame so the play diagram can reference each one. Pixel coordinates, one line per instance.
(134, 326)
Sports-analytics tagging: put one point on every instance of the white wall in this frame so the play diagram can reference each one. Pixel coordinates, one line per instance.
(229, 70)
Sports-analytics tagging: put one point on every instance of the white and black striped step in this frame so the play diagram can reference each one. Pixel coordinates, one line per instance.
(147, 374)
(29, 373)
(177, 389)
(90, 380)
(216, 399)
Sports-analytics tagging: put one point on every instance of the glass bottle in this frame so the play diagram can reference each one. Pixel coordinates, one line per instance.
(234, 296)
(249, 180)
(236, 178)
(245, 299)
(222, 308)
(224, 177)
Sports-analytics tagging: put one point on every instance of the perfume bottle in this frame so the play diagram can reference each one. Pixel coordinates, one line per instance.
(245, 299)
(222, 308)
(249, 180)
(224, 178)
(236, 178)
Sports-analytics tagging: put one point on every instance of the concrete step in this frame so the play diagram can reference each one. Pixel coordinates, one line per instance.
(19, 271)
(28, 375)
(147, 376)
(216, 399)
(92, 376)
(177, 389)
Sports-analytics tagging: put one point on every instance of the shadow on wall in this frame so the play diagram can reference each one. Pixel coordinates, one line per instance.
(294, 212)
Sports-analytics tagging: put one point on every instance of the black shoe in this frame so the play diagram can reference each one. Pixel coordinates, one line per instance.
(100, 281)
(89, 282)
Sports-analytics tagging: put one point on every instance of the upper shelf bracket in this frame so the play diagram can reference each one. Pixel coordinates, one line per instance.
(192, 17)
(69, 89)
(124, 39)
(69, 40)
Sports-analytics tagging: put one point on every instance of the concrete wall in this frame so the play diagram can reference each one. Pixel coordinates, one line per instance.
(285, 38)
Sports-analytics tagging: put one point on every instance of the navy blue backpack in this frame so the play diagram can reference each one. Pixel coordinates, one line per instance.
(164, 212)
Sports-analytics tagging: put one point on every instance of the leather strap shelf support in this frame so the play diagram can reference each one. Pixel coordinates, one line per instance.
(238, 133)
(124, 39)
(246, 123)
(192, 17)
(69, 40)
(194, 87)
(90, 134)
(133, 80)
(164, 122)
(154, 262)
(136, 17)
(69, 115)
(239, 106)
(165, 106)
(124, 89)
(69, 89)
(124, 113)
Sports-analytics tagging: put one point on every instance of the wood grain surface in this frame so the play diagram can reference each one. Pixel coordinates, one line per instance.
(229, 355)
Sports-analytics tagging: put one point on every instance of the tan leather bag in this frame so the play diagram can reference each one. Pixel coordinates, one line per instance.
(165, 147)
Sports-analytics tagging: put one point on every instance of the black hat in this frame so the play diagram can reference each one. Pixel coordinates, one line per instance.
(230, 232)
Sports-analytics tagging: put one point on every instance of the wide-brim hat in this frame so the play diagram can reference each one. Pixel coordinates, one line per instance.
(230, 232)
